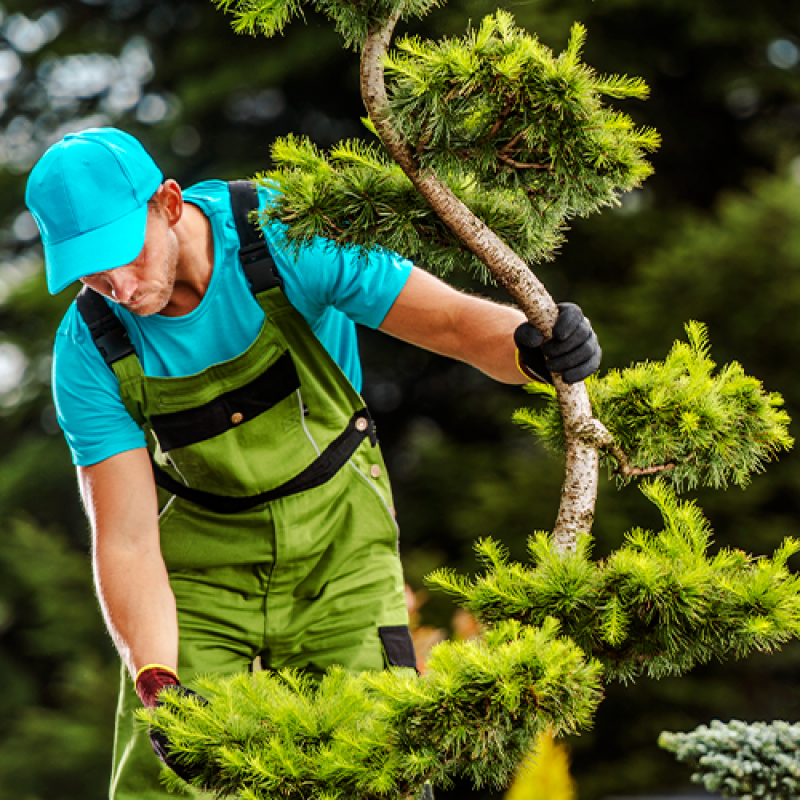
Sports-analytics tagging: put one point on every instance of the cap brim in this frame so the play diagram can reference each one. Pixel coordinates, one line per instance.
(109, 247)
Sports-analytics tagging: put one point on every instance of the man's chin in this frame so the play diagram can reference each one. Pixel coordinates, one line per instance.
(145, 307)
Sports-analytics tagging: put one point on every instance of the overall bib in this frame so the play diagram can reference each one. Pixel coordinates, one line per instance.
(277, 526)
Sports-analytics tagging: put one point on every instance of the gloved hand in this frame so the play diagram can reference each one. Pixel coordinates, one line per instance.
(150, 682)
(573, 351)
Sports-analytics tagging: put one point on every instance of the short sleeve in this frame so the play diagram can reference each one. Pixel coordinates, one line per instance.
(95, 422)
(362, 285)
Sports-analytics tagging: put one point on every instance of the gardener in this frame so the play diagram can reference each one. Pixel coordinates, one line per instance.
(208, 391)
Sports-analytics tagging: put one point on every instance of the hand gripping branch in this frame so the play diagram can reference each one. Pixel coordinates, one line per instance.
(579, 489)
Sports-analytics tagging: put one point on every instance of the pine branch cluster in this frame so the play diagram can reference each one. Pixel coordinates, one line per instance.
(714, 429)
(659, 605)
(760, 760)
(521, 118)
(356, 196)
(475, 713)
(352, 19)
(519, 135)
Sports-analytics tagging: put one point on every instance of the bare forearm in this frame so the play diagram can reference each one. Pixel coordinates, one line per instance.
(485, 336)
(130, 576)
(433, 315)
(138, 606)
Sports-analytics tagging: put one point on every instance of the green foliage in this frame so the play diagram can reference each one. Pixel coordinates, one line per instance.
(358, 197)
(715, 429)
(519, 135)
(734, 759)
(659, 605)
(353, 20)
(520, 117)
(475, 713)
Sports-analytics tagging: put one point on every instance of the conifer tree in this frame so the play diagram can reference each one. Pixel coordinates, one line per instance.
(487, 146)
(734, 759)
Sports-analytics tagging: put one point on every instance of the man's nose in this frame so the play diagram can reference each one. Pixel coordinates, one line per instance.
(123, 284)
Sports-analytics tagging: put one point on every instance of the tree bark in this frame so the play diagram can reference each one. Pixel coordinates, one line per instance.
(579, 490)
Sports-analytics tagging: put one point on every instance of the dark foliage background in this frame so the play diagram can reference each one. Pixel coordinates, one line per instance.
(714, 235)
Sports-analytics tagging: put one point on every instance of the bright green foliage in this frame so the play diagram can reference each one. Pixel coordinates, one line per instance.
(475, 713)
(357, 196)
(715, 428)
(518, 134)
(352, 19)
(520, 117)
(659, 605)
(759, 760)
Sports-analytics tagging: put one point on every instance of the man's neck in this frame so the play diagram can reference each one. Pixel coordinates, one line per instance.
(195, 262)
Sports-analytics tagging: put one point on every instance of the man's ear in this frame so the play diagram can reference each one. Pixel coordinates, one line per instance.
(170, 199)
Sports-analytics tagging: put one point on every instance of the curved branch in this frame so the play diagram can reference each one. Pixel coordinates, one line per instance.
(579, 490)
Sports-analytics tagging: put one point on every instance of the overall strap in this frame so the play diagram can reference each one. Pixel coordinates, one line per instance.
(320, 471)
(108, 332)
(254, 255)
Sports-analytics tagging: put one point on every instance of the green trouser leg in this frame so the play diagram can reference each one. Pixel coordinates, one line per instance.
(321, 589)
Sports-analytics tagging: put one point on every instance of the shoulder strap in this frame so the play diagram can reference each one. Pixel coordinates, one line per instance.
(108, 333)
(254, 255)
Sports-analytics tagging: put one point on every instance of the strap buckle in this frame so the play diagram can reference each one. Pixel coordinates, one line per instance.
(106, 330)
(259, 267)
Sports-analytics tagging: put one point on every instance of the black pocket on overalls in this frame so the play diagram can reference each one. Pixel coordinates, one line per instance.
(397, 646)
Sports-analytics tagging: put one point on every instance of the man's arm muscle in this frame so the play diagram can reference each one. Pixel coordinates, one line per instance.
(131, 579)
(433, 315)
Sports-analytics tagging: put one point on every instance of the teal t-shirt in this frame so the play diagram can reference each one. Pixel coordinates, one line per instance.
(332, 288)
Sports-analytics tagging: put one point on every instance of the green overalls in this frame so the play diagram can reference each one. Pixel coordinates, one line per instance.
(285, 546)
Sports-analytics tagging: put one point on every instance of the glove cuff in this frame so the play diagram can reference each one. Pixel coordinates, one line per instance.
(150, 680)
(531, 374)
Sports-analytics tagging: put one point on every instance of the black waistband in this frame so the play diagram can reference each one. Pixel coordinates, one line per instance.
(320, 471)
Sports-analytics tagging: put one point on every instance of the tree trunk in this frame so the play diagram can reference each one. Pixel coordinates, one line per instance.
(579, 490)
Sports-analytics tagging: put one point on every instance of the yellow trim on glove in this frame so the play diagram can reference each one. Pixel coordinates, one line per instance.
(156, 666)
(530, 377)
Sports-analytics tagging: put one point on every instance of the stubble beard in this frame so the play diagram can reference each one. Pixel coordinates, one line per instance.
(158, 298)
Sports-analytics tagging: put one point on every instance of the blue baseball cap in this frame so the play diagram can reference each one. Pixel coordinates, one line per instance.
(88, 194)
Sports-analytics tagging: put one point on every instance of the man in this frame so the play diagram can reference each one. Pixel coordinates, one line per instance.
(271, 532)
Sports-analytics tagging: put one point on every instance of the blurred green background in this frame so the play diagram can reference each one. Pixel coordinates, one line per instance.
(714, 236)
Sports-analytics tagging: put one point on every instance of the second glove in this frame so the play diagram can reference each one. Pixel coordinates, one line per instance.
(573, 351)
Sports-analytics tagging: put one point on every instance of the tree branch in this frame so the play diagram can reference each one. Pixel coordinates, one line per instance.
(519, 164)
(509, 107)
(595, 434)
(579, 490)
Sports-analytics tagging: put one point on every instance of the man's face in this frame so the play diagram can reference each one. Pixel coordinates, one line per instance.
(144, 286)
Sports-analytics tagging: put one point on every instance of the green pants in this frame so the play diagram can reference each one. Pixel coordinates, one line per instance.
(298, 589)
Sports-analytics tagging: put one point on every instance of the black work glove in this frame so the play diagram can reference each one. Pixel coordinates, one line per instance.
(573, 352)
(162, 748)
